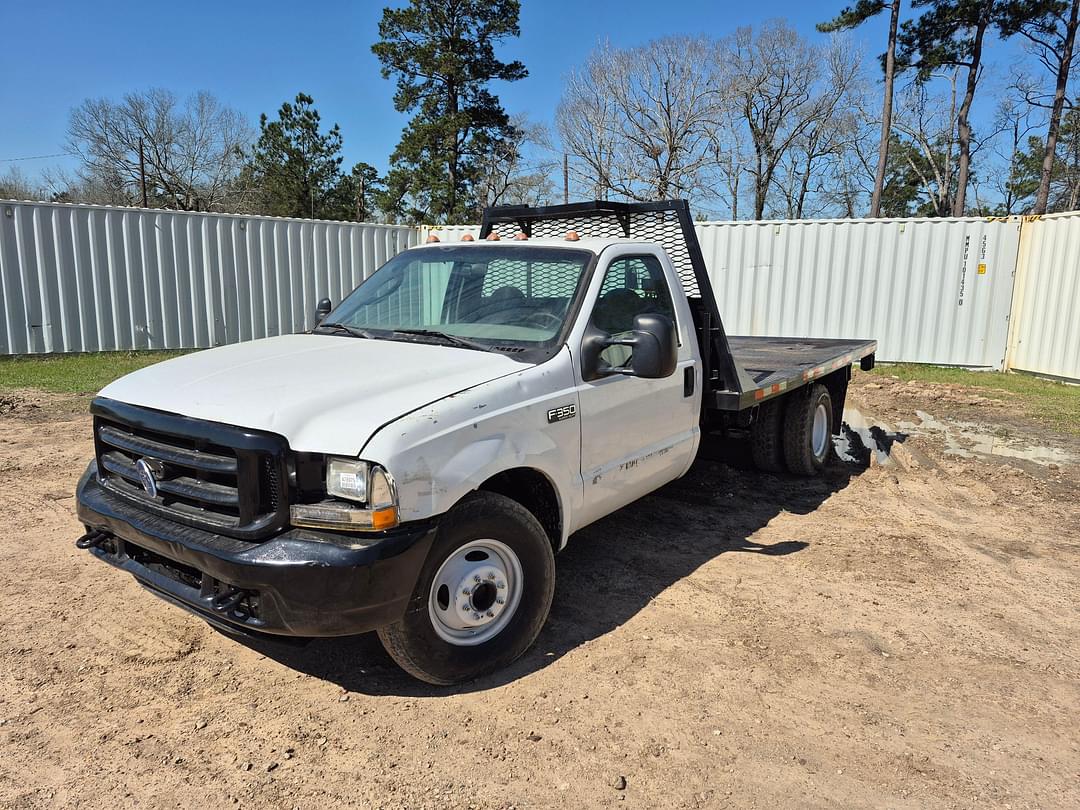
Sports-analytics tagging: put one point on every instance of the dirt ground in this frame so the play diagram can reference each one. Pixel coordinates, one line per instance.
(897, 635)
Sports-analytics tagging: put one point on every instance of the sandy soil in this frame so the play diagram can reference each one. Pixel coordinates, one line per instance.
(905, 635)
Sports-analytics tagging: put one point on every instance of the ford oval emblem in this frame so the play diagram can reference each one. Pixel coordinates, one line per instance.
(146, 477)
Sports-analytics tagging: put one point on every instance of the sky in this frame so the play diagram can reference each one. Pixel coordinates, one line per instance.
(255, 55)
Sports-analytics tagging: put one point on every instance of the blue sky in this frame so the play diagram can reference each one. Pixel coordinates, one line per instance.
(254, 55)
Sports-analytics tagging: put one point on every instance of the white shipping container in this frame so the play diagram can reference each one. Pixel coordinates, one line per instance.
(929, 290)
(1046, 312)
(91, 278)
(78, 278)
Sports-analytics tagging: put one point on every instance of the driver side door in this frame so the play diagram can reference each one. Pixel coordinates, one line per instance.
(636, 434)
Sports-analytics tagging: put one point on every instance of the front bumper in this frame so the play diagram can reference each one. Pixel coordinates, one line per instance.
(300, 583)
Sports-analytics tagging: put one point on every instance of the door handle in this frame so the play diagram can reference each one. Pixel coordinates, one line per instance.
(688, 381)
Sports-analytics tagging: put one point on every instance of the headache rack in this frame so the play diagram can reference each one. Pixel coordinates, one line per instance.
(667, 223)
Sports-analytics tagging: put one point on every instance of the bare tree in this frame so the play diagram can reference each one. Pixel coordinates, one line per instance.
(587, 122)
(1011, 182)
(187, 155)
(773, 78)
(731, 154)
(517, 170)
(928, 123)
(14, 185)
(812, 164)
(639, 122)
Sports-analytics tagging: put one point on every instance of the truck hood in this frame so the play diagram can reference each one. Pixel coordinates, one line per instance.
(324, 393)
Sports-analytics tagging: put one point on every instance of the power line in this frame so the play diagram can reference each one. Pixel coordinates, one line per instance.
(34, 157)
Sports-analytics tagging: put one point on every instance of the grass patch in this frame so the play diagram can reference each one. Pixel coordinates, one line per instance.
(1052, 402)
(74, 373)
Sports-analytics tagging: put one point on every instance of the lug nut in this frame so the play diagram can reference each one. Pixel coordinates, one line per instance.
(500, 601)
(476, 617)
(465, 592)
(490, 615)
(476, 578)
(501, 585)
(491, 575)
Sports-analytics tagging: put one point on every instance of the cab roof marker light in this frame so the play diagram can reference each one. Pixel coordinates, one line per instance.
(572, 236)
(493, 237)
(432, 239)
(521, 236)
(468, 238)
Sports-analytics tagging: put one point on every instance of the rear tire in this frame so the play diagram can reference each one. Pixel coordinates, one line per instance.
(482, 596)
(766, 436)
(808, 430)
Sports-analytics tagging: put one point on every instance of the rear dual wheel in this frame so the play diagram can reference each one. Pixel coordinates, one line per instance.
(794, 431)
(808, 430)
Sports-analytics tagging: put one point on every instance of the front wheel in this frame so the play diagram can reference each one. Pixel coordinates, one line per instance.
(483, 594)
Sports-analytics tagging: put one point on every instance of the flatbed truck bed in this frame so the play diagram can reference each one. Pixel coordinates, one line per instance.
(779, 364)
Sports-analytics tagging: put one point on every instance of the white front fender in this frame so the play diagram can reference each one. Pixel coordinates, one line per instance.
(442, 451)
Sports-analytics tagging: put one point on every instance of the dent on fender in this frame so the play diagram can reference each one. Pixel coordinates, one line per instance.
(449, 448)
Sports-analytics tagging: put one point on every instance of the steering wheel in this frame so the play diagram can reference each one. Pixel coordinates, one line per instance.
(534, 319)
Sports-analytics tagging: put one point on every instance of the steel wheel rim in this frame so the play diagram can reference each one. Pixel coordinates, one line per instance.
(475, 593)
(819, 441)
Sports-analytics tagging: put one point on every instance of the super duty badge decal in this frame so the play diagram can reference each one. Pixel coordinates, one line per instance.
(562, 412)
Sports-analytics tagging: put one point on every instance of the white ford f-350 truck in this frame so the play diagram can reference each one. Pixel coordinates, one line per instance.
(413, 463)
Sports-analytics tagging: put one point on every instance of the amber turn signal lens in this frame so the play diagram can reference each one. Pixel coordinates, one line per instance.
(386, 518)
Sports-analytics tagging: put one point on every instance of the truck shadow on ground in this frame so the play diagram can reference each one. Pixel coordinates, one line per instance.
(610, 570)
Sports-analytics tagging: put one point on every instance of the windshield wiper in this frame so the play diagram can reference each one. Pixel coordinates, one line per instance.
(465, 343)
(349, 330)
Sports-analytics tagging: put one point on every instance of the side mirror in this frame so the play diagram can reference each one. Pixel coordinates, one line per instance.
(322, 309)
(654, 349)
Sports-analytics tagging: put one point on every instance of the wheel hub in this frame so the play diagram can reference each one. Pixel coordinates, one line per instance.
(819, 437)
(475, 592)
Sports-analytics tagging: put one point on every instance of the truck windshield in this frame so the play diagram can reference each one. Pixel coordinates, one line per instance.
(489, 296)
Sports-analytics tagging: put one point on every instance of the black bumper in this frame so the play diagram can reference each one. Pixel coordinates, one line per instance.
(299, 583)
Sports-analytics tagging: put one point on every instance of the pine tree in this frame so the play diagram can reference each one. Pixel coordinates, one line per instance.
(442, 54)
(361, 191)
(296, 168)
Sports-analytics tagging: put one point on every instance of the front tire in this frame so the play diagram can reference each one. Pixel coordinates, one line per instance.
(482, 596)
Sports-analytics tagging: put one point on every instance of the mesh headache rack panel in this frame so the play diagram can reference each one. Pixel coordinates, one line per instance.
(655, 222)
(667, 223)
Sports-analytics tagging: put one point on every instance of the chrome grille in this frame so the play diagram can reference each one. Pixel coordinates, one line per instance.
(210, 476)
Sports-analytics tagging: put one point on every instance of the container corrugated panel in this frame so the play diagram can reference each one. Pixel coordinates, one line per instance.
(1046, 335)
(91, 278)
(929, 290)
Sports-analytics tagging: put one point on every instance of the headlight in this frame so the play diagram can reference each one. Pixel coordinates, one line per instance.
(346, 478)
(370, 494)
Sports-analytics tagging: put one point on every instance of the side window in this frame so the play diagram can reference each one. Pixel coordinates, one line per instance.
(632, 285)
